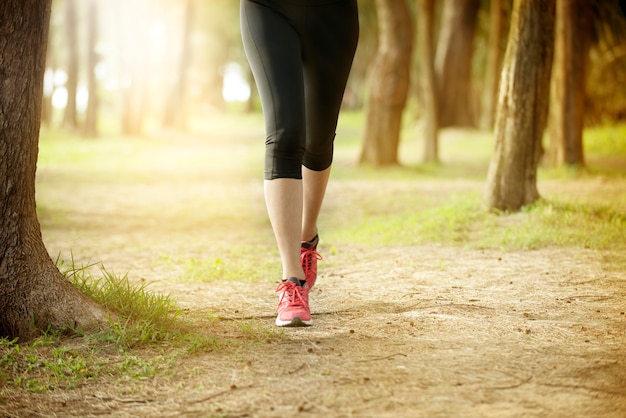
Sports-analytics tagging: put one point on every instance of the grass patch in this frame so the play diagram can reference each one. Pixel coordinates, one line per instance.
(56, 362)
(145, 340)
(558, 224)
(239, 263)
(462, 220)
(143, 317)
(606, 141)
(410, 223)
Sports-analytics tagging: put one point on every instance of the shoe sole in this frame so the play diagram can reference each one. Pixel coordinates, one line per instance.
(295, 322)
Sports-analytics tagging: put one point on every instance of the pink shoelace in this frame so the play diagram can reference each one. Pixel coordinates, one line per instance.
(307, 257)
(292, 295)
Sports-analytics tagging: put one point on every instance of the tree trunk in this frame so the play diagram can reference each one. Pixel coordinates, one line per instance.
(429, 90)
(567, 101)
(522, 106)
(494, 62)
(71, 23)
(453, 62)
(33, 293)
(91, 117)
(389, 83)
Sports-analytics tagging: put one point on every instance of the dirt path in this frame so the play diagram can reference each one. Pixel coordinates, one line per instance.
(404, 332)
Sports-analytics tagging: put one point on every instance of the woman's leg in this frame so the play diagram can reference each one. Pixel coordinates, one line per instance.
(283, 198)
(329, 44)
(274, 52)
(314, 189)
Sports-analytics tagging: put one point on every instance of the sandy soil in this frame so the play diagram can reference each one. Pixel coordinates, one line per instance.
(401, 332)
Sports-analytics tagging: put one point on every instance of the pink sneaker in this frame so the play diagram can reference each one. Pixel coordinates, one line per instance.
(293, 304)
(308, 259)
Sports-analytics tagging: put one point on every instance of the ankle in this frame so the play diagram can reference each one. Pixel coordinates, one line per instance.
(312, 243)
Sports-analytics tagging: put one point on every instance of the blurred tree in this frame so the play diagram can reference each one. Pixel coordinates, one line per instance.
(253, 101)
(494, 63)
(453, 62)
(34, 295)
(134, 20)
(427, 72)
(218, 43)
(91, 116)
(522, 106)
(605, 96)
(567, 89)
(389, 83)
(356, 90)
(71, 27)
(175, 115)
(46, 106)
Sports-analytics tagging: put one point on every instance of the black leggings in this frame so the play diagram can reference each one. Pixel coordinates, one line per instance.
(300, 52)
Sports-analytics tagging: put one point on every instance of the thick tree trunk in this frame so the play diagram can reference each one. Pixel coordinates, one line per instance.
(453, 62)
(71, 24)
(389, 83)
(567, 101)
(429, 90)
(91, 117)
(33, 293)
(522, 106)
(494, 62)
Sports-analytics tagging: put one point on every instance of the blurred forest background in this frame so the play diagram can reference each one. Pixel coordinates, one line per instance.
(125, 66)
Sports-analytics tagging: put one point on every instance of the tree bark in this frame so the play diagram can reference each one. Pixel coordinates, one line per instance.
(389, 83)
(522, 106)
(567, 89)
(33, 293)
(71, 23)
(429, 90)
(494, 62)
(91, 116)
(453, 62)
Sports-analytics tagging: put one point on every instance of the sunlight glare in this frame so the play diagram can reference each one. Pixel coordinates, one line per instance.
(59, 98)
(236, 88)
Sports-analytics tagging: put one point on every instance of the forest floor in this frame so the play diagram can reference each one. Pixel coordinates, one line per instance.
(399, 331)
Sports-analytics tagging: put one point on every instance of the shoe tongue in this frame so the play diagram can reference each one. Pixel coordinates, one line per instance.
(294, 280)
(310, 244)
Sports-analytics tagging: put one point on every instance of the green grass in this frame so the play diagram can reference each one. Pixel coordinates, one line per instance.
(239, 263)
(146, 336)
(462, 220)
(140, 316)
(607, 141)
(55, 362)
